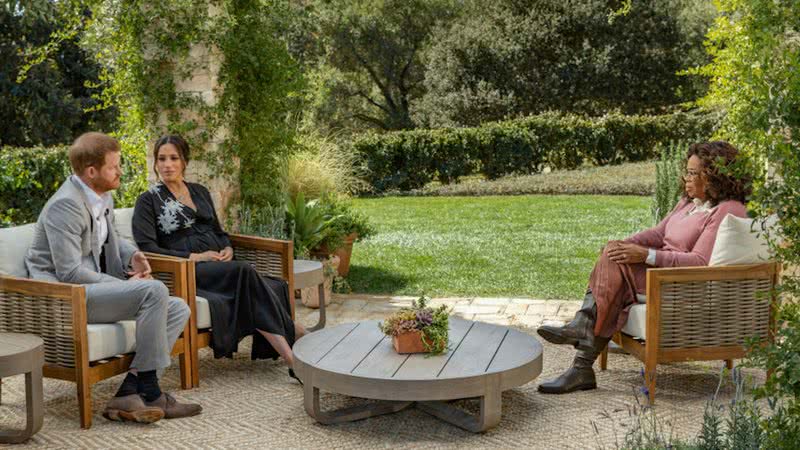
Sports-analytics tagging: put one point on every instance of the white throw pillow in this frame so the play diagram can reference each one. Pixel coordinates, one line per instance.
(123, 218)
(741, 240)
(14, 245)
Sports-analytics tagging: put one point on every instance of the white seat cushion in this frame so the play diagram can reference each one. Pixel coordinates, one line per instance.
(637, 321)
(741, 240)
(110, 339)
(14, 244)
(106, 340)
(203, 313)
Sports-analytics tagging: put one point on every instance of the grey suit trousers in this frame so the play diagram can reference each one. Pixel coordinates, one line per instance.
(159, 318)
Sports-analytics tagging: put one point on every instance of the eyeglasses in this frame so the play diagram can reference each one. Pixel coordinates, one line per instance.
(691, 175)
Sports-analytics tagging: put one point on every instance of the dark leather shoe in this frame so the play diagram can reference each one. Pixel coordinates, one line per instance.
(574, 379)
(580, 335)
(174, 410)
(132, 408)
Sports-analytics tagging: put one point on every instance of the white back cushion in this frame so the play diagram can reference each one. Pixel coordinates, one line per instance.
(122, 222)
(741, 241)
(14, 244)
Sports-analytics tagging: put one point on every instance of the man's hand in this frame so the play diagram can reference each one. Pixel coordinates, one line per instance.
(140, 268)
(226, 254)
(625, 253)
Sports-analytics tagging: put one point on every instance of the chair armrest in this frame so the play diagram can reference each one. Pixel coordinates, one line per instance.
(172, 271)
(709, 306)
(272, 257)
(56, 312)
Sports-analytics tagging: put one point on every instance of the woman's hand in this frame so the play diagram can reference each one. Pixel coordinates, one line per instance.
(624, 253)
(226, 254)
(209, 255)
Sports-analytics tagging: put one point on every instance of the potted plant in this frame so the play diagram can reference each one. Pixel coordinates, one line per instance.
(348, 226)
(309, 224)
(418, 329)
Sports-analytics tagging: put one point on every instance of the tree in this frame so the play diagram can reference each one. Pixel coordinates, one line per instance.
(55, 100)
(755, 45)
(371, 65)
(520, 57)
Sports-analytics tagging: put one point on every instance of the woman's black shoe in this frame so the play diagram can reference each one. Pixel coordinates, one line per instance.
(291, 374)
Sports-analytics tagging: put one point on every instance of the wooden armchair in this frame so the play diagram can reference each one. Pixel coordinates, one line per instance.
(56, 312)
(269, 257)
(702, 314)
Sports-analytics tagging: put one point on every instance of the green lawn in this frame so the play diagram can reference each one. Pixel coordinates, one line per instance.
(527, 246)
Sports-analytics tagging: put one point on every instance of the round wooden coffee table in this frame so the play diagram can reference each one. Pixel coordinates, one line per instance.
(356, 359)
(24, 354)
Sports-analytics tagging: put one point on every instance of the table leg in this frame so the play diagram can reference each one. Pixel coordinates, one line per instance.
(311, 399)
(488, 417)
(34, 407)
(321, 324)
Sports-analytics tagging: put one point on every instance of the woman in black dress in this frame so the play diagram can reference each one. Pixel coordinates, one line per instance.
(178, 218)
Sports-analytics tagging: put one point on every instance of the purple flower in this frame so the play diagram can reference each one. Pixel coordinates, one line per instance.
(424, 318)
(645, 391)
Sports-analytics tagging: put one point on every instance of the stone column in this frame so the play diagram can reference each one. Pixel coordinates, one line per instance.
(202, 83)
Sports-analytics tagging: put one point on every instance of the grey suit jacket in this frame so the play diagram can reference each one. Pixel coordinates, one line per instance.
(65, 246)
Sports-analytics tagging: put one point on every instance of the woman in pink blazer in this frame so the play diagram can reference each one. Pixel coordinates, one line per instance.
(684, 238)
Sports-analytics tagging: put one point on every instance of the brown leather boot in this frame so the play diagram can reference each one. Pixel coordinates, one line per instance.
(132, 408)
(579, 377)
(579, 333)
(174, 410)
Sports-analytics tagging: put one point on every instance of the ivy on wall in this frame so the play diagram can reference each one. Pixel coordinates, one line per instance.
(242, 129)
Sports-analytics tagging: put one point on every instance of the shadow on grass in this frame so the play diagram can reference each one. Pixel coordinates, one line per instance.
(375, 280)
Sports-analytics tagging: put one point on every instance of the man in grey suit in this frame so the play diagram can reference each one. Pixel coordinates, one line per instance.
(75, 242)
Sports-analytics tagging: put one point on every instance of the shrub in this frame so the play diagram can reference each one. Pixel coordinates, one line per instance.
(320, 166)
(28, 177)
(410, 159)
(668, 186)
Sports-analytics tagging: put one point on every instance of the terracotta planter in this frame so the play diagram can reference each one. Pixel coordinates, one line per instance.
(344, 252)
(410, 342)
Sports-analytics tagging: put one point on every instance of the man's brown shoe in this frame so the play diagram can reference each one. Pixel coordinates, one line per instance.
(174, 410)
(131, 408)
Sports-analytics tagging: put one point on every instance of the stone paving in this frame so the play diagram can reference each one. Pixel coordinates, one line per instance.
(529, 313)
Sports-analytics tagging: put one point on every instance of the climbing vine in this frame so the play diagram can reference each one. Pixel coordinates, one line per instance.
(152, 49)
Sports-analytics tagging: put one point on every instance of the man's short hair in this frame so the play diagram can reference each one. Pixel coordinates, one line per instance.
(89, 150)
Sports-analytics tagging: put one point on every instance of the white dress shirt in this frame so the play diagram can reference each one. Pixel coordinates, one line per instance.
(99, 204)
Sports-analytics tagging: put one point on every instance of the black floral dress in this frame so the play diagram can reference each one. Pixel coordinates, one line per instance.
(241, 301)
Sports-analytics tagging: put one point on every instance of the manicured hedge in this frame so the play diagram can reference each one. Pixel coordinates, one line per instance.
(28, 177)
(410, 159)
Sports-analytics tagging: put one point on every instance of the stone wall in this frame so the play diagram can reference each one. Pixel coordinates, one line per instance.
(202, 83)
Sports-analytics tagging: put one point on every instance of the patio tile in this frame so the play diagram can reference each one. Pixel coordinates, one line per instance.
(515, 310)
(491, 301)
(544, 309)
(477, 309)
(529, 321)
(527, 301)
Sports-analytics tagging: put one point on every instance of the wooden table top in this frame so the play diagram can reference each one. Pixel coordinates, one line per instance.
(358, 359)
(12, 344)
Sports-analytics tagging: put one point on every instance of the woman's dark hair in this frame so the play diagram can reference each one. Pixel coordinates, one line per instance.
(726, 178)
(178, 142)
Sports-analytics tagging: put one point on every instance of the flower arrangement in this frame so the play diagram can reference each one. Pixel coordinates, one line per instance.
(420, 328)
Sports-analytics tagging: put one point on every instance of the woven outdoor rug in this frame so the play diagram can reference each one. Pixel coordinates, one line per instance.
(254, 404)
